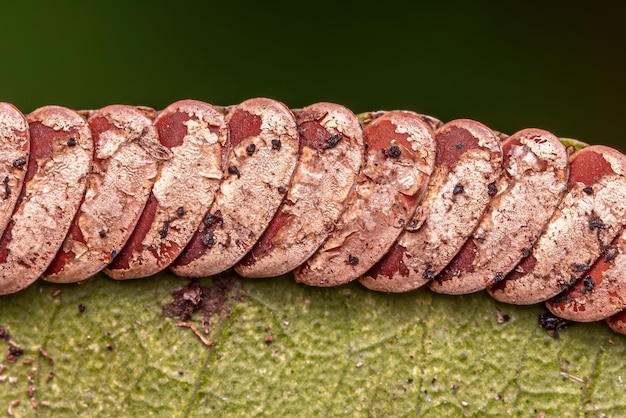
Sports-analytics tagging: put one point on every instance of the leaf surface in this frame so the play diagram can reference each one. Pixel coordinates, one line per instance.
(284, 349)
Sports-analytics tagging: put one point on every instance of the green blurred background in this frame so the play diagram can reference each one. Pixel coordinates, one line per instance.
(559, 66)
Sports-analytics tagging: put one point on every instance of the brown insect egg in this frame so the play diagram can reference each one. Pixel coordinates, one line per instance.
(399, 159)
(533, 183)
(14, 149)
(600, 292)
(582, 226)
(60, 158)
(196, 137)
(469, 158)
(125, 160)
(250, 193)
(330, 158)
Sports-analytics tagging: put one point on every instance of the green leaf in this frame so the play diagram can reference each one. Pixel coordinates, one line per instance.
(576, 144)
(283, 349)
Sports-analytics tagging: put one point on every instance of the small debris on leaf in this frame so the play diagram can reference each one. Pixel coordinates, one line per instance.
(196, 331)
(502, 318)
(45, 354)
(552, 323)
(12, 404)
(186, 301)
(4, 333)
(14, 352)
(211, 300)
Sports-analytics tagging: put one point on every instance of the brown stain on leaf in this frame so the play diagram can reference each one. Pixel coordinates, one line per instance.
(212, 300)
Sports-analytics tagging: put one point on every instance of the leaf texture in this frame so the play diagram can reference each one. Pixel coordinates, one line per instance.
(283, 349)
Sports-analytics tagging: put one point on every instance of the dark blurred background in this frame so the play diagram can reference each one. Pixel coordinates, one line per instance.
(554, 65)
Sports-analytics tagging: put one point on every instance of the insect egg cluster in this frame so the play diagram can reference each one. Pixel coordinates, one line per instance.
(395, 199)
